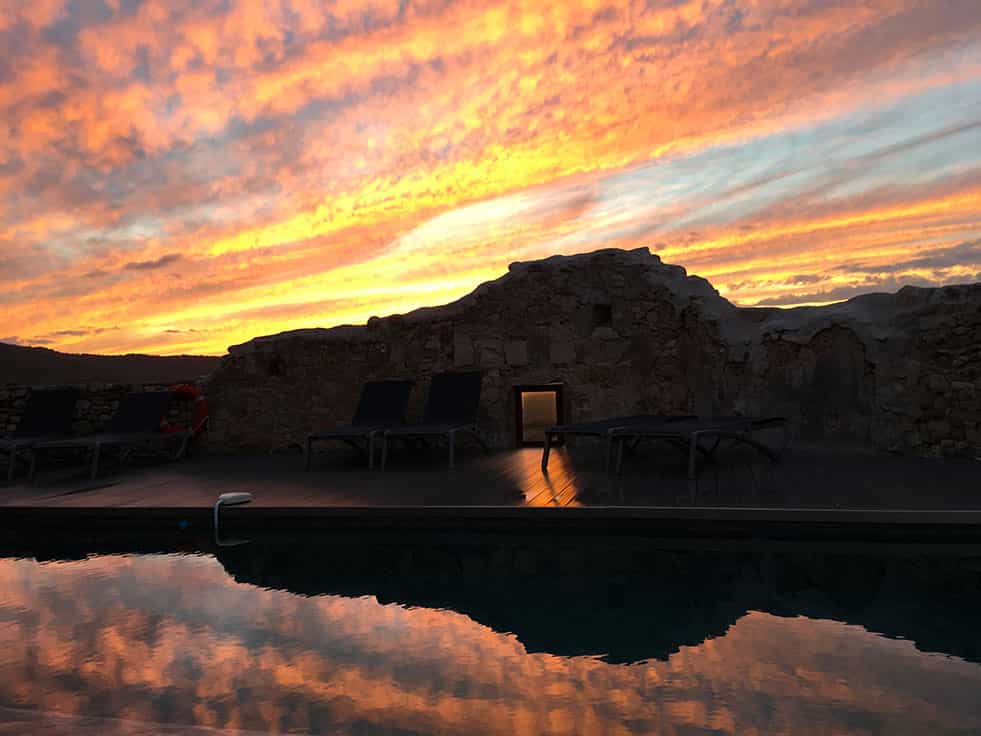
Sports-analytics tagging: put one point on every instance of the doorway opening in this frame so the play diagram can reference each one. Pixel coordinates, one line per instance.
(536, 408)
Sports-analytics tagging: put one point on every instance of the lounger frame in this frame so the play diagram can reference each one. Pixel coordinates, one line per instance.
(601, 428)
(128, 444)
(47, 416)
(451, 412)
(447, 431)
(381, 406)
(134, 427)
(688, 435)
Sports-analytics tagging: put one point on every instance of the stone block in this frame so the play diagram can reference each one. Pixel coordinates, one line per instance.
(516, 352)
(463, 353)
(490, 352)
(562, 351)
(605, 333)
(397, 354)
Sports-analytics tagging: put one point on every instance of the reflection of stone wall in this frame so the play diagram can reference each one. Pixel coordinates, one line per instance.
(96, 405)
(626, 333)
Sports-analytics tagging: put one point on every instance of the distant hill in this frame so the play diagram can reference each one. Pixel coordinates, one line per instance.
(41, 366)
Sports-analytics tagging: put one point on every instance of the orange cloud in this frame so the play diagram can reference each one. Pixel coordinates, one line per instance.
(365, 157)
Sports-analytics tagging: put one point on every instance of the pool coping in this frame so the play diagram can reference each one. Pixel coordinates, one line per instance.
(673, 521)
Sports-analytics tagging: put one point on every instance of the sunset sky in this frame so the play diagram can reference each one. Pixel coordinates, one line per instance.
(178, 176)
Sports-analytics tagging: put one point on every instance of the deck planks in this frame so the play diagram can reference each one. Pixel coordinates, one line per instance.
(806, 479)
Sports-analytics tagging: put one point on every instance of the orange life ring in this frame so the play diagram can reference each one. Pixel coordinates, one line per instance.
(199, 417)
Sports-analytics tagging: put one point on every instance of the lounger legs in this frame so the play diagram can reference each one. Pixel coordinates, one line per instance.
(182, 448)
(692, 448)
(451, 440)
(692, 453)
(546, 452)
(96, 452)
(480, 441)
(371, 450)
(450, 435)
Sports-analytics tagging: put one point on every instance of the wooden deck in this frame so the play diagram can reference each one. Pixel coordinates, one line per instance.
(807, 479)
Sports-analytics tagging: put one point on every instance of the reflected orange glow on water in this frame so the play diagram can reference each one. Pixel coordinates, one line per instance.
(174, 639)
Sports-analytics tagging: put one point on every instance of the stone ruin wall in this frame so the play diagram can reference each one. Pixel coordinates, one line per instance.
(626, 333)
(543, 330)
(95, 407)
(900, 372)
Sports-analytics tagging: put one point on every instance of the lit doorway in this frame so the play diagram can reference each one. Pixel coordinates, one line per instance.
(536, 408)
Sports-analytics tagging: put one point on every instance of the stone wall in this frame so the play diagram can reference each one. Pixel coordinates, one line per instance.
(95, 407)
(626, 333)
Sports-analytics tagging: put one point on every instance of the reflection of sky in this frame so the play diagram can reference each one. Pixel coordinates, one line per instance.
(295, 164)
(174, 639)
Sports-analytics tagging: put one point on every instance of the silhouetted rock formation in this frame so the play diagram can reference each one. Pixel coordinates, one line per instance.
(44, 367)
(627, 333)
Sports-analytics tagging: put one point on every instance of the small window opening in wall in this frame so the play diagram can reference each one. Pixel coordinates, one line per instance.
(602, 315)
(537, 407)
(275, 367)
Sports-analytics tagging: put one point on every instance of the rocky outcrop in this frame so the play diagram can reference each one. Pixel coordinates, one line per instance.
(41, 366)
(625, 332)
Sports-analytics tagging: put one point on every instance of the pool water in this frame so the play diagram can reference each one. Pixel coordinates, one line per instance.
(492, 638)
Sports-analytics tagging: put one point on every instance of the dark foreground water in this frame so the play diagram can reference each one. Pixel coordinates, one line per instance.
(546, 637)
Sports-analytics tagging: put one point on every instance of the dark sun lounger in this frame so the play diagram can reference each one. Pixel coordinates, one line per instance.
(451, 410)
(602, 428)
(382, 406)
(47, 416)
(135, 426)
(688, 434)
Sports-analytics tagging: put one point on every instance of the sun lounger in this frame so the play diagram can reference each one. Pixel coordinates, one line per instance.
(601, 428)
(47, 416)
(135, 426)
(688, 434)
(382, 406)
(451, 410)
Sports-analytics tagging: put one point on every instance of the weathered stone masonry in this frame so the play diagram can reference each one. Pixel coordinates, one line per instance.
(96, 405)
(627, 333)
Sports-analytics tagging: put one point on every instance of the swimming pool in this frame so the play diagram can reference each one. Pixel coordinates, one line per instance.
(491, 636)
